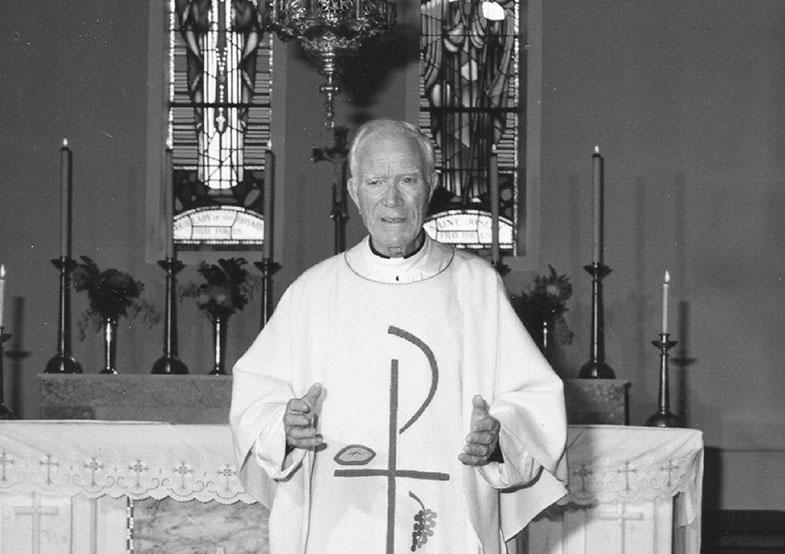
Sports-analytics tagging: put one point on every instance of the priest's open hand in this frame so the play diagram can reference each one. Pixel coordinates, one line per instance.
(300, 419)
(483, 437)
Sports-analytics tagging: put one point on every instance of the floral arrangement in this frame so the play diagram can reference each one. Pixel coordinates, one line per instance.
(227, 288)
(111, 293)
(545, 301)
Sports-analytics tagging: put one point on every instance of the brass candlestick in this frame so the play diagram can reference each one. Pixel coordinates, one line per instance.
(663, 416)
(268, 267)
(64, 361)
(169, 364)
(5, 411)
(596, 368)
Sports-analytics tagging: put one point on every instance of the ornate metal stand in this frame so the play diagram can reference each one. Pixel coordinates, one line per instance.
(663, 416)
(63, 361)
(5, 411)
(169, 364)
(268, 268)
(596, 368)
(330, 33)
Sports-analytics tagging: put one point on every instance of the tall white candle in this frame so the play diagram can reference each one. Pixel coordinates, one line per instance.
(269, 195)
(2, 293)
(493, 170)
(65, 200)
(597, 186)
(167, 201)
(665, 285)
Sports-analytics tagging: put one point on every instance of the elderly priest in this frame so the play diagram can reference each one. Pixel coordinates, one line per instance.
(394, 402)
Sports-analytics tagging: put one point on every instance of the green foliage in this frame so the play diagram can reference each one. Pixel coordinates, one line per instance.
(111, 294)
(227, 287)
(545, 300)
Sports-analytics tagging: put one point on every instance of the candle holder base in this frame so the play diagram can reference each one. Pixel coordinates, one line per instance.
(663, 416)
(169, 365)
(63, 363)
(597, 270)
(596, 369)
(268, 266)
(664, 419)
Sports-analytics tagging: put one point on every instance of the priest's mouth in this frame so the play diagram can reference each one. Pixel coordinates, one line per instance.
(393, 219)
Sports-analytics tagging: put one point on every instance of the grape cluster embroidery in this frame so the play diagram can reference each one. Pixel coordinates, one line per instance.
(424, 522)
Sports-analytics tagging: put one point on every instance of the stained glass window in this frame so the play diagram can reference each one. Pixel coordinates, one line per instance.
(470, 106)
(219, 121)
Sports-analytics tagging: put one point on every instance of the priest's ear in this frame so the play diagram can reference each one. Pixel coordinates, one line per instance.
(351, 185)
(433, 183)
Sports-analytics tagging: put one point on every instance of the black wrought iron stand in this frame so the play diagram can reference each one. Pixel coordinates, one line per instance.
(596, 368)
(268, 267)
(169, 363)
(64, 361)
(663, 416)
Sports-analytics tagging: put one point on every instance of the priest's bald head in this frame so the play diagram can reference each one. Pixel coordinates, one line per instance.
(392, 181)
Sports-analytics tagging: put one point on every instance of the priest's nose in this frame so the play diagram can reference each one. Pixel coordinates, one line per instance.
(392, 197)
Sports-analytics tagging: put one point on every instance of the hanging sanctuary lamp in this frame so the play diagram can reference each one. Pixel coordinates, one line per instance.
(330, 32)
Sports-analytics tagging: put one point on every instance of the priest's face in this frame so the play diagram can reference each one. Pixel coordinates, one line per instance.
(392, 191)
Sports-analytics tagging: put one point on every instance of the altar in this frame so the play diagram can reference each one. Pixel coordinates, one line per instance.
(106, 487)
(100, 486)
(631, 490)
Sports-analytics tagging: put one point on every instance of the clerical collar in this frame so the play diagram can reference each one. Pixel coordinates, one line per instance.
(420, 238)
(429, 260)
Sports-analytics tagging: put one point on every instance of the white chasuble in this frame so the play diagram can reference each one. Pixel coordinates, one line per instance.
(400, 346)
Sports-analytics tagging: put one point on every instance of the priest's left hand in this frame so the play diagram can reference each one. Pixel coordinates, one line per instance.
(483, 437)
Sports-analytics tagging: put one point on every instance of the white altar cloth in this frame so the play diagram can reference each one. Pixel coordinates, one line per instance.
(610, 463)
(119, 459)
(613, 466)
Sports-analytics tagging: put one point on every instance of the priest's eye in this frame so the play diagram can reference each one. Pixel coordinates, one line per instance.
(374, 182)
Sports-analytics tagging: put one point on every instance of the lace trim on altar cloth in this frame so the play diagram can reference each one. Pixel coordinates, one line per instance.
(183, 462)
(606, 463)
(609, 464)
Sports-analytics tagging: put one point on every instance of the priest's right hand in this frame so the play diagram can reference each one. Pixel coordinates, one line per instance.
(300, 419)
